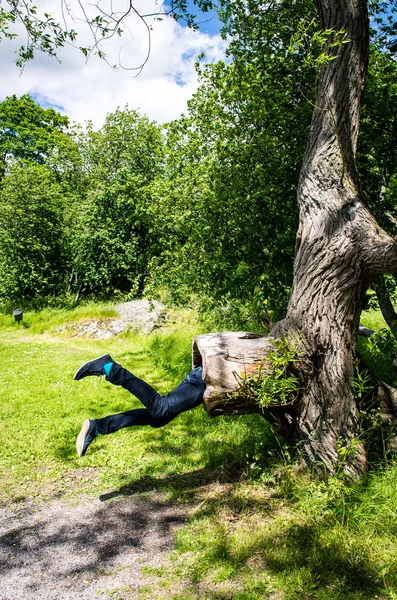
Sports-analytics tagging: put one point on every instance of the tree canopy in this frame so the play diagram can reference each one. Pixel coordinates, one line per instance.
(28, 131)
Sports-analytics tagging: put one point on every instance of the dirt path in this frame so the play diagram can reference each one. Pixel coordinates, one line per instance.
(59, 551)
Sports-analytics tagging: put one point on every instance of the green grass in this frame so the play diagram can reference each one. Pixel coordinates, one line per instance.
(51, 318)
(259, 528)
(43, 408)
(380, 351)
(318, 541)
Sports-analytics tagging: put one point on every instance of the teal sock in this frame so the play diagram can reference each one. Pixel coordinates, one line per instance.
(107, 368)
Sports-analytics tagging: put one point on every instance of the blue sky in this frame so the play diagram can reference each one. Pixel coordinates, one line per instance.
(207, 22)
(89, 90)
(46, 102)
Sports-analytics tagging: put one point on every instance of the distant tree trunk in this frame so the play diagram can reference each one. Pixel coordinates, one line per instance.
(386, 306)
(79, 294)
(340, 250)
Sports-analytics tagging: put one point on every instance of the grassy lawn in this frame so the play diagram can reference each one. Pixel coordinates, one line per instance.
(258, 527)
(43, 408)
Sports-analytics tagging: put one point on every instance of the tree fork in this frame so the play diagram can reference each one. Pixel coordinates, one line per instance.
(340, 249)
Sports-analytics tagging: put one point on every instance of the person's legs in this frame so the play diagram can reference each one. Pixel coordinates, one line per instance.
(138, 387)
(159, 410)
(129, 418)
(116, 374)
(187, 395)
(112, 423)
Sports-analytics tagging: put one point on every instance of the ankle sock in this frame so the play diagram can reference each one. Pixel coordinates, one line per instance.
(107, 368)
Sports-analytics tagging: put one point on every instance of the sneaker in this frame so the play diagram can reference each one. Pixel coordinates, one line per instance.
(87, 434)
(93, 367)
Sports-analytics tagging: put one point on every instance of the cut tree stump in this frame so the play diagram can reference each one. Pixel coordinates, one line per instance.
(227, 357)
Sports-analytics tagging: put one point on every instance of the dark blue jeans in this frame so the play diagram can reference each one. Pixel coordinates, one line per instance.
(159, 410)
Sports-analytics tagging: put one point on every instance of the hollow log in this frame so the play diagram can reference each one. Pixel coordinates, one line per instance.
(226, 358)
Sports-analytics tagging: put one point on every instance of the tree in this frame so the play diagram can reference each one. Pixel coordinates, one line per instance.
(33, 249)
(110, 238)
(340, 249)
(28, 131)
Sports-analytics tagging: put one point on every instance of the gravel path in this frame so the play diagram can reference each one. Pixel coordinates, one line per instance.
(56, 551)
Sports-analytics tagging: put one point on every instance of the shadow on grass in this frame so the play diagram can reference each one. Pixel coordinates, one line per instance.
(305, 561)
(185, 485)
(224, 454)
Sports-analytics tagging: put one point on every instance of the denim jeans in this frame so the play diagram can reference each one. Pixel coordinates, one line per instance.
(159, 410)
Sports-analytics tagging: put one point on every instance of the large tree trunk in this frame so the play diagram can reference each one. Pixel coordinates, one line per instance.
(340, 250)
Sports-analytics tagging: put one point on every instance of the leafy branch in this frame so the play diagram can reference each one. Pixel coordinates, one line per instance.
(47, 34)
(282, 386)
(319, 46)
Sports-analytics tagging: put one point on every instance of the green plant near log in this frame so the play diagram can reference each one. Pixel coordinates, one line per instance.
(283, 384)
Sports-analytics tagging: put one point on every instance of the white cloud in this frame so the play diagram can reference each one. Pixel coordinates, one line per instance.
(91, 90)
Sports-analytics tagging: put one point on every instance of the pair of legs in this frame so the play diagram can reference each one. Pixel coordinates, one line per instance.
(159, 410)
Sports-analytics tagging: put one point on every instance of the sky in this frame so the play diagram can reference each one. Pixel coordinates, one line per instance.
(88, 90)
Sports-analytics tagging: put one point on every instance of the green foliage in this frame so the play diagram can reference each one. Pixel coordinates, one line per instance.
(380, 351)
(318, 46)
(28, 131)
(110, 239)
(33, 249)
(227, 215)
(231, 313)
(43, 32)
(106, 241)
(377, 155)
(229, 195)
(362, 381)
(281, 386)
(383, 342)
(98, 235)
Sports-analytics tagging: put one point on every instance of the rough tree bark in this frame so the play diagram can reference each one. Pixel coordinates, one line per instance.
(340, 250)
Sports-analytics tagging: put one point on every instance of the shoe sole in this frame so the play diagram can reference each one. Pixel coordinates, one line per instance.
(85, 364)
(81, 438)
